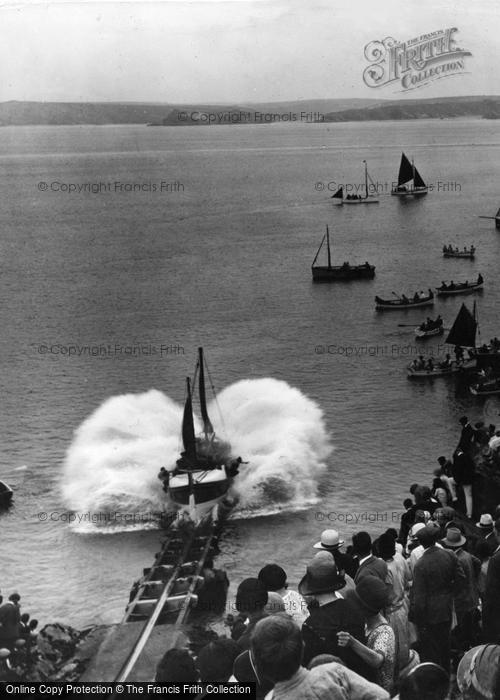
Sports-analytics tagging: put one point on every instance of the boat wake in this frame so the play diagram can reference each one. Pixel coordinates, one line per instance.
(110, 473)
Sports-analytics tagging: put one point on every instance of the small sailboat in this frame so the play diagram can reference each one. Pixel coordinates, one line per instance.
(462, 335)
(334, 273)
(205, 470)
(496, 219)
(367, 198)
(410, 182)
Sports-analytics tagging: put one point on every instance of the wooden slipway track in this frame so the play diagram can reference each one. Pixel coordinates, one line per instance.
(159, 606)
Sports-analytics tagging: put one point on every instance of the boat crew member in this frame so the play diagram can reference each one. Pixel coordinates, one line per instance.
(405, 299)
(438, 322)
(480, 279)
(430, 364)
(234, 466)
(459, 354)
(416, 297)
(452, 285)
(446, 363)
(422, 294)
(444, 285)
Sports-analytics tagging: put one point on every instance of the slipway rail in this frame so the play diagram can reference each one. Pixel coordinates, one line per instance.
(182, 559)
(159, 606)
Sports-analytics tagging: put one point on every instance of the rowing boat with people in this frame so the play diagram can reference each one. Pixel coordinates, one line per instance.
(460, 287)
(430, 328)
(467, 253)
(403, 302)
(441, 369)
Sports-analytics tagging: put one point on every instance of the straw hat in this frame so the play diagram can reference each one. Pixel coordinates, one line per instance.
(330, 539)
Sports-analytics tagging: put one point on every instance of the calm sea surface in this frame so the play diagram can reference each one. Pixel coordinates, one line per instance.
(224, 262)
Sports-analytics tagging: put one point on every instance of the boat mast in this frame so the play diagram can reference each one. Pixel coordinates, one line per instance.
(328, 247)
(366, 179)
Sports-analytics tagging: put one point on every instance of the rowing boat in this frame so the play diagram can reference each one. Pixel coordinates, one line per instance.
(404, 302)
(460, 288)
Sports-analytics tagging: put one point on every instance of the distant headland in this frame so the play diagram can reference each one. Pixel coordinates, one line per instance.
(15, 113)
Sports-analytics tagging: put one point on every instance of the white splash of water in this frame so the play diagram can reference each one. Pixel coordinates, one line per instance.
(111, 467)
(281, 433)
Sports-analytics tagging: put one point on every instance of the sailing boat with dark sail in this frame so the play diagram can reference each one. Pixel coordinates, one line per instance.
(334, 273)
(496, 218)
(367, 198)
(205, 470)
(463, 336)
(410, 182)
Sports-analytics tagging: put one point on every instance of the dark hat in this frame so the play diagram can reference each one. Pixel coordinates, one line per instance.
(251, 595)
(322, 576)
(463, 420)
(272, 576)
(373, 593)
(453, 539)
(14, 597)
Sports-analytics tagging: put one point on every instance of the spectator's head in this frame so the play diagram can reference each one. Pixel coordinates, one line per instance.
(413, 488)
(442, 460)
(25, 617)
(329, 540)
(386, 546)
(276, 648)
(362, 544)
(454, 539)
(373, 594)
(273, 577)
(251, 596)
(393, 532)
(33, 624)
(407, 503)
(444, 515)
(483, 550)
(422, 494)
(478, 673)
(15, 598)
(215, 661)
(485, 522)
(322, 576)
(463, 420)
(426, 680)
(176, 666)
(428, 536)
(275, 603)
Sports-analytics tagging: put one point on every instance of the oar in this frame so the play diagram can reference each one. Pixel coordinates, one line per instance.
(406, 325)
(396, 295)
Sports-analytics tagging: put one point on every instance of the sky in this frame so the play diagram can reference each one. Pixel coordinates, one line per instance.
(236, 51)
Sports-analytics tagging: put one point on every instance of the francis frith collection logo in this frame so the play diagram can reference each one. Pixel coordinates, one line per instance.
(415, 62)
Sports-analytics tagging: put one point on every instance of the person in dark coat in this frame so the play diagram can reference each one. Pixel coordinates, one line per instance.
(491, 602)
(333, 614)
(368, 565)
(463, 474)
(437, 577)
(466, 436)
